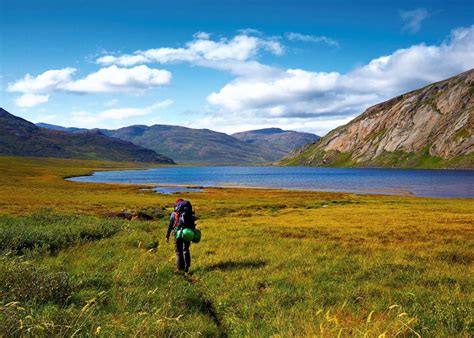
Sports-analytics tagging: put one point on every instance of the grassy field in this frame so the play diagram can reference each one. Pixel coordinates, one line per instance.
(270, 263)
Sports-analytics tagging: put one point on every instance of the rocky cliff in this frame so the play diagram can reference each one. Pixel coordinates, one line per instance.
(431, 127)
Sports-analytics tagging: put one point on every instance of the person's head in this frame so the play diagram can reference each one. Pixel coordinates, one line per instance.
(179, 200)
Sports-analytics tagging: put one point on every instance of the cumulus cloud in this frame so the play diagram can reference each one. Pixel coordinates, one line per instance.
(202, 35)
(43, 83)
(250, 31)
(31, 100)
(109, 116)
(235, 123)
(413, 19)
(113, 79)
(297, 93)
(230, 54)
(311, 38)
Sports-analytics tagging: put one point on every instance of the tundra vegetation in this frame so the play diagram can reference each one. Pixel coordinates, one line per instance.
(270, 261)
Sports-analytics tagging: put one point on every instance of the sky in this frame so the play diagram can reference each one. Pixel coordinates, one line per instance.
(227, 65)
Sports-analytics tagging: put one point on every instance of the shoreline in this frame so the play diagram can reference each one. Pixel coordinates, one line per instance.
(151, 186)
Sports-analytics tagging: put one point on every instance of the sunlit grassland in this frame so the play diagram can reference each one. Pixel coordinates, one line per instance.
(270, 262)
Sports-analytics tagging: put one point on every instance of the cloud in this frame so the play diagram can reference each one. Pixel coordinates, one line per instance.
(30, 100)
(111, 79)
(114, 79)
(311, 38)
(250, 31)
(202, 35)
(43, 83)
(234, 123)
(229, 54)
(413, 19)
(109, 116)
(301, 94)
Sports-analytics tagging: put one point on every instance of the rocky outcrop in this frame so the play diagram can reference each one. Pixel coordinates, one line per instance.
(428, 127)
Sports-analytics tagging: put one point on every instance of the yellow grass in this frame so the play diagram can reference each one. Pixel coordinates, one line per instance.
(271, 262)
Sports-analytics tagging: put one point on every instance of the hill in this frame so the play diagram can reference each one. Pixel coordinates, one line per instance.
(19, 137)
(188, 145)
(55, 127)
(276, 140)
(431, 127)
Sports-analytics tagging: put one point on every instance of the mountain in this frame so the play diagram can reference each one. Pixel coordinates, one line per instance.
(431, 127)
(187, 145)
(55, 127)
(19, 137)
(276, 140)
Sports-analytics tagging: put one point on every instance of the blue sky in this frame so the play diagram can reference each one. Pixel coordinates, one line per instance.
(223, 65)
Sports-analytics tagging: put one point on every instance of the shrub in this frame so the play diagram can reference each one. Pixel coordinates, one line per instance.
(51, 232)
(26, 283)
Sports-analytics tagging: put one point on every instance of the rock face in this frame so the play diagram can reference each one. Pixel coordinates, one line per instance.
(431, 127)
(19, 137)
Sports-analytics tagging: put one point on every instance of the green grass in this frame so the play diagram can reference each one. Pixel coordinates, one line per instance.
(271, 262)
(395, 159)
(50, 233)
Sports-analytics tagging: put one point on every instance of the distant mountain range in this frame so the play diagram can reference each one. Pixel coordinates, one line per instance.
(192, 146)
(19, 137)
(276, 140)
(431, 127)
(59, 128)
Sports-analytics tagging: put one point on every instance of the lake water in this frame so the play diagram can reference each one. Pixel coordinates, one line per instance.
(432, 183)
(172, 190)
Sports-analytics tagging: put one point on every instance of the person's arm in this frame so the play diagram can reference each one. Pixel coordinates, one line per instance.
(170, 226)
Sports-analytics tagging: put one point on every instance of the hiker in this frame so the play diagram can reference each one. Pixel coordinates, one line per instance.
(181, 218)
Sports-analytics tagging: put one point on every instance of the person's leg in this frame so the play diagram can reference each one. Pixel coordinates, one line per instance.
(178, 248)
(187, 256)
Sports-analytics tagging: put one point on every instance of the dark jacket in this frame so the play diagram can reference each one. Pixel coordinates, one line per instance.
(170, 225)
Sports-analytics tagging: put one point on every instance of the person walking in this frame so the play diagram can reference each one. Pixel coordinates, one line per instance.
(181, 218)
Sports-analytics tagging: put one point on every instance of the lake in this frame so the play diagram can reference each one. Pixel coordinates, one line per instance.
(430, 183)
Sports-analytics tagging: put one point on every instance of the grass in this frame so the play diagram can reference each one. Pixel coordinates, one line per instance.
(271, 262)
(395, 159)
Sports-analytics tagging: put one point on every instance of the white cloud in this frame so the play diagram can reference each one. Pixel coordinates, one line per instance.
(413, 19)
(235, 123)
(30, 100)
(43, 83)
(111, 79)
(311, 38)
(297, 93)
(202, 35)
(230, 54)
(114, 79)
(110, 116)
(250, 31)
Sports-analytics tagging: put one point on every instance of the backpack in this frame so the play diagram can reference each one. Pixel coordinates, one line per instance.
(184, 216)
(184, 219)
